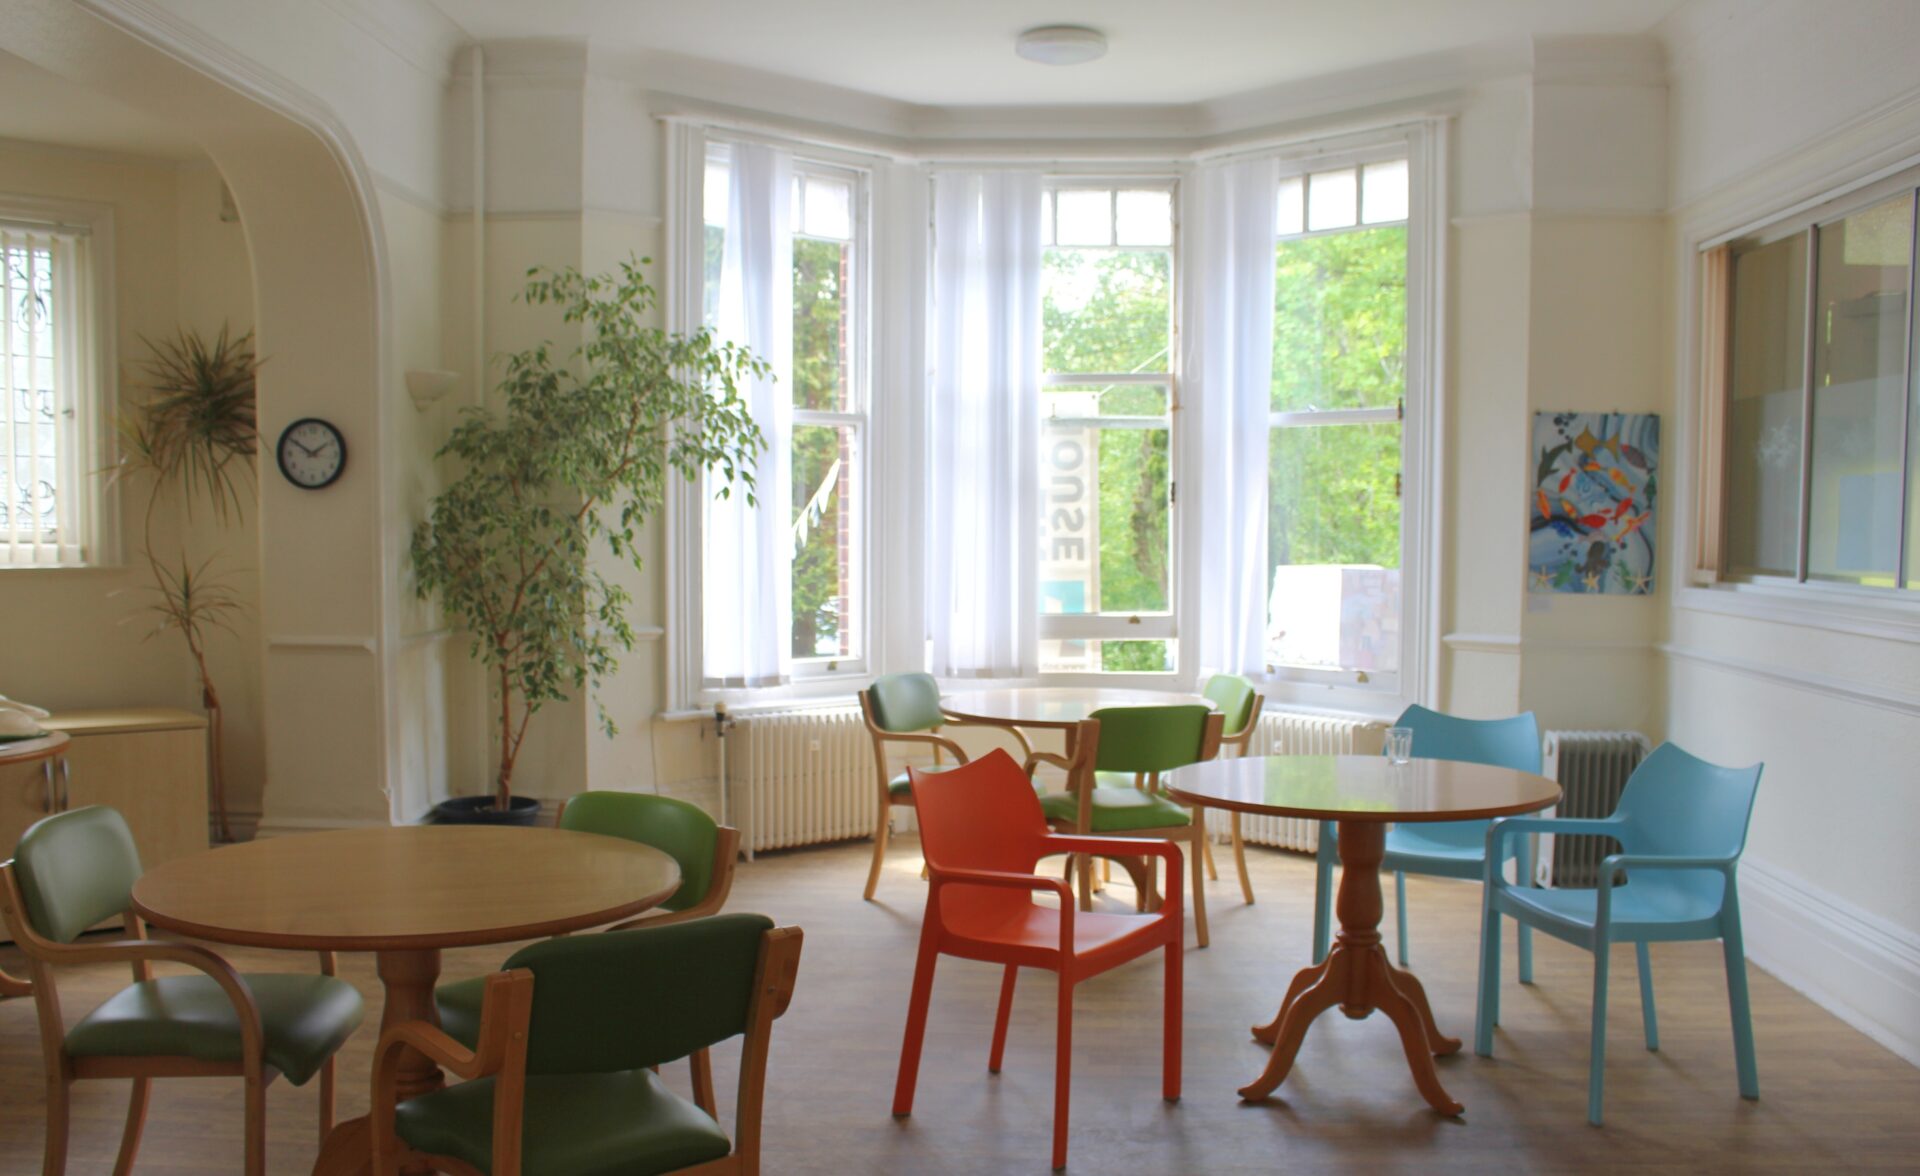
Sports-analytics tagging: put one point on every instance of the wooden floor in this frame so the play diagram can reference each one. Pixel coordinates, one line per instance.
(1831, 1099)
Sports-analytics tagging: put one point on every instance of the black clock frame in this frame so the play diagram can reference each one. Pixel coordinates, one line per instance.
(280, 452)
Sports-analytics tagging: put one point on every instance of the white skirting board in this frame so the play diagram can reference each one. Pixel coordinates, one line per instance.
(1856, 965)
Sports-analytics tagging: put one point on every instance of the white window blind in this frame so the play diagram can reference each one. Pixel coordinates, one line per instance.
(46, 430)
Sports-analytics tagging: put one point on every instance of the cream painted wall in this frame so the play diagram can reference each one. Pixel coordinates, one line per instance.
(1772, 107)
(1598, 343)
(176, 264)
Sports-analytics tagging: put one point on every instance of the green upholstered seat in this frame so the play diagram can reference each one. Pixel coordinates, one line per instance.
(303, 1019)
(619, 1124)
(605, 1007)
(1116, 810)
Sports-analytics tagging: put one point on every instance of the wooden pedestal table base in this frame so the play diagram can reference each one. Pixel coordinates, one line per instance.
(1362, 793)
(1357, 977)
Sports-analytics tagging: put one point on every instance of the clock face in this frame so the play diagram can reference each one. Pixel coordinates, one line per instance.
(312, 453)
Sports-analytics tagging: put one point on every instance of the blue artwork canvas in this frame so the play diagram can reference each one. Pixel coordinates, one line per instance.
(1590, 512)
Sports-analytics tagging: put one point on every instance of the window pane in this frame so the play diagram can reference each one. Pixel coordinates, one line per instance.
(1331, 198)
(1383, 195)
(29, 477)
(826, 564)
(1106, 311)
(1143, 218)
(1046, 218)
(827, 210)
(713, 195)
(1086, 216)
(1109, 657)
(1768, 366)
(1293, 206)
(821, 320)
(1334, 540)
(1340, 320)
(1860, 395)
(1107, 400)
(1105, 535)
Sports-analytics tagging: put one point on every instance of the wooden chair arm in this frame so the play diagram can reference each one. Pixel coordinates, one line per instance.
(144, 952)
(505, 1007)
(940, 741)
(1046, 757)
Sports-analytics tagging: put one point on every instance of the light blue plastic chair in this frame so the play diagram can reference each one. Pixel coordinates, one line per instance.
(1682, 823)
(1443, 849)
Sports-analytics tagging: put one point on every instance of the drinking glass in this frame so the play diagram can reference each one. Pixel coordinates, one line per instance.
(1399, 744)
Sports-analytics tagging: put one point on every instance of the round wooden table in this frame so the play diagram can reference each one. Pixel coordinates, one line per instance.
(1364, 793)
(1058, 708)
(405, 893)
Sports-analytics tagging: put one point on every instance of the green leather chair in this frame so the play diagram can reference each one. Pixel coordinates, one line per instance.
(900, 708)
(76, 869)
(705, 852)
(1133, 742)
(560, 1080)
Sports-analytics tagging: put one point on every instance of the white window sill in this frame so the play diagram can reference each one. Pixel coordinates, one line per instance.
(1863, 612)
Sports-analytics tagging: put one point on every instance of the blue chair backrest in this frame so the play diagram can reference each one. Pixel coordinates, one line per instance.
(1680, 805)
(1505, 743)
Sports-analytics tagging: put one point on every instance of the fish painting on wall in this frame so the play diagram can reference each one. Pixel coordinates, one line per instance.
(1591, 512)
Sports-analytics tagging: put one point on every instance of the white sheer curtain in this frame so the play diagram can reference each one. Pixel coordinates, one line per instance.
(983, 476)
(1228, 388)
(747, 551)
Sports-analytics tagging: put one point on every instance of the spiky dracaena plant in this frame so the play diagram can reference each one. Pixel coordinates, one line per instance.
(195, 433)
(578, 455)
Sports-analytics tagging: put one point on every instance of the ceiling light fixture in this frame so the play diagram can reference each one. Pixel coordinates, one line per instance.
(1061, 44)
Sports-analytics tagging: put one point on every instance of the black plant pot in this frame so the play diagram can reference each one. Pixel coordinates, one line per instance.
(480, 810)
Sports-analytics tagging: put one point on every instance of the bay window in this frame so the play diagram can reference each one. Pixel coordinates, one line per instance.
(1106, 441)
(820, 427)
(1336, 431)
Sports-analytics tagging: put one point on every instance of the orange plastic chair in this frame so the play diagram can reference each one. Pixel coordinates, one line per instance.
(982, 833)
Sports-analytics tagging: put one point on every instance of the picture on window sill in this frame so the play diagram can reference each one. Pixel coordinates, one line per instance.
(1591, 510)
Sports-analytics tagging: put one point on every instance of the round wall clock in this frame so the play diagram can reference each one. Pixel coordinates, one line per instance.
(312, 453)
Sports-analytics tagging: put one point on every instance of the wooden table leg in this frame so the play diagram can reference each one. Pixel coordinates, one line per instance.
(409, 977)
(1357, 977)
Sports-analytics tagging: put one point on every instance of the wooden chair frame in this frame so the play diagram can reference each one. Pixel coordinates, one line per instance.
(883, 823)
(1242, 744)
(1080, 780)
(63, 1069)
(501, 1053)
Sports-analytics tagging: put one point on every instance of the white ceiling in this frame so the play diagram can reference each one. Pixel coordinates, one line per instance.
(960, 52)
(42, 107)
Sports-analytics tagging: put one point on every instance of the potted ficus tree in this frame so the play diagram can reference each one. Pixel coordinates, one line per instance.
(578, 453)
(194, 435)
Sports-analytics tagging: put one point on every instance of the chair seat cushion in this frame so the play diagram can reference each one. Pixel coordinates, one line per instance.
(459, 1007)
(303, 1019)
(1117, 810)
(619, 1124)
(1649, 903)
(1417, 842)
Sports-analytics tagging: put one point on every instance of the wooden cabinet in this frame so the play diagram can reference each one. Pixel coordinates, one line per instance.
(150, 763)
